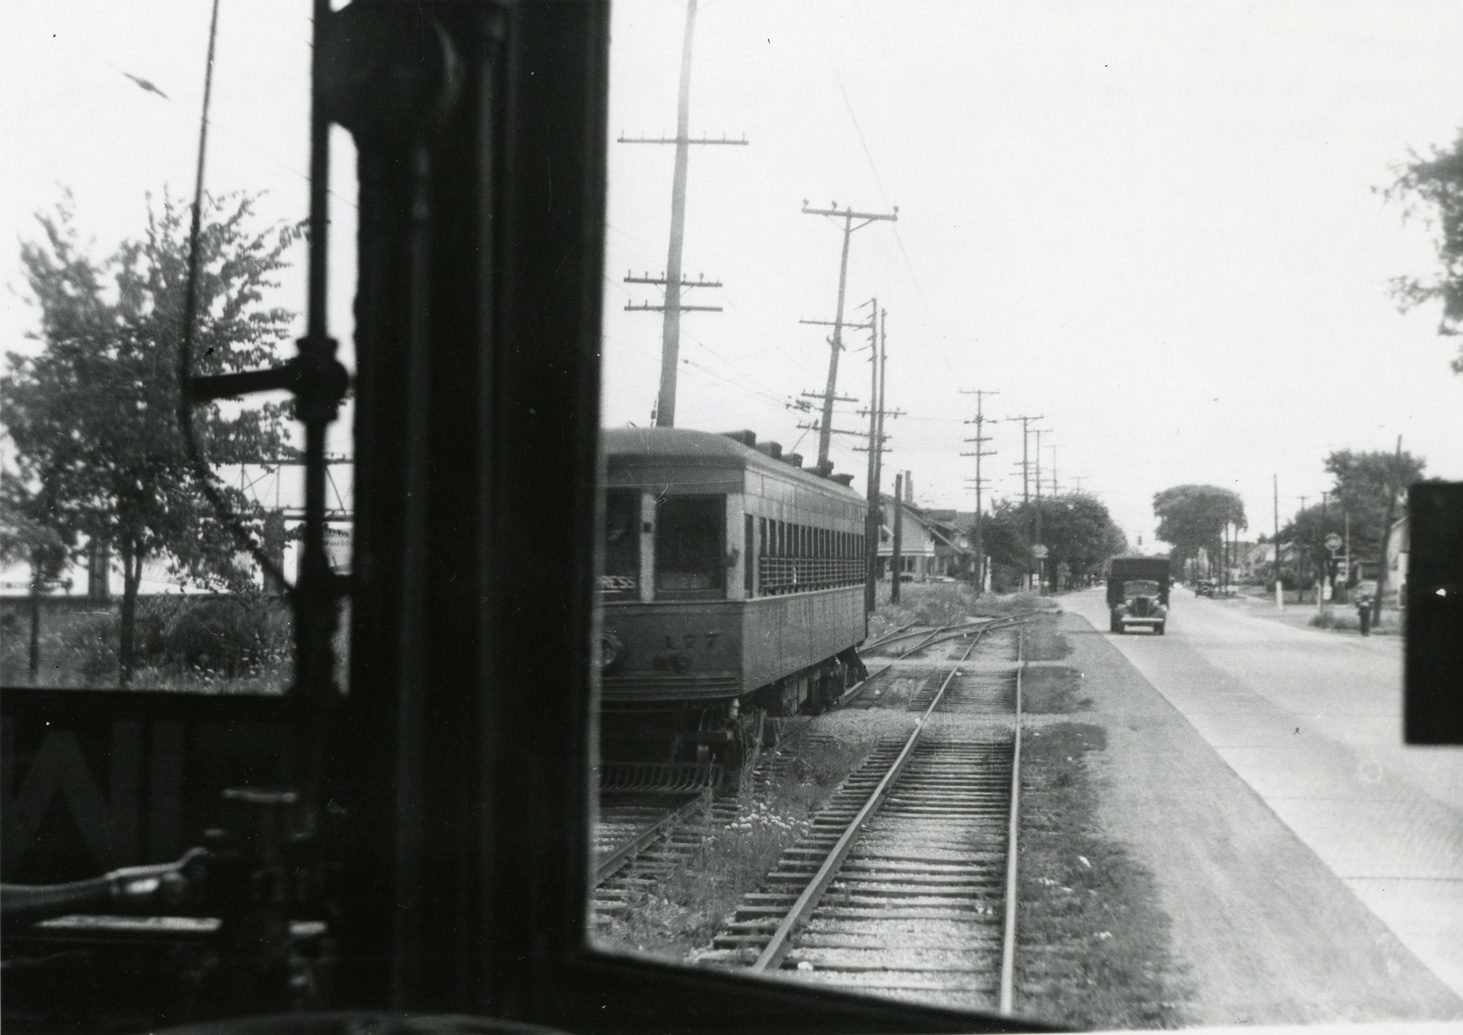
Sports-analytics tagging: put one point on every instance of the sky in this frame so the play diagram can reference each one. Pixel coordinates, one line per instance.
(1156, 225)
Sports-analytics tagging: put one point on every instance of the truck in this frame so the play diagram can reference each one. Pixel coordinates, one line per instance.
(1137, 593)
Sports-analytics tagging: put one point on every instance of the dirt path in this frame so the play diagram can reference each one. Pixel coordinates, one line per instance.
(1267, 934)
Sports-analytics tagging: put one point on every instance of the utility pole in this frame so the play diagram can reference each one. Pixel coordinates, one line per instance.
(979, 441)
(836, 342)
(1279, 584)
(1055, 491)
(1025, 474)
(1394, 489)
(1323, 555)
(871, 480)
(895, 561)
(876, 449)
(665, 405)
(1346, 523)
(1040, 561)
(1079, 479)
(818, 425)
(1224, 556)
(1301, 555)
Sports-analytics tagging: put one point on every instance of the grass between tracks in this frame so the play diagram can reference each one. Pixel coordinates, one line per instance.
(943, 603)
(1053, 691)
(684, 911)
(1092, 945)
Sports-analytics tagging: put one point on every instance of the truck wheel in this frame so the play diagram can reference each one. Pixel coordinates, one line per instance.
(1158, 628)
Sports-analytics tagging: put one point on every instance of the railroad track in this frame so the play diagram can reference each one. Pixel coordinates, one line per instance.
(904, 883)
(642, 839)
(639, 841)
(880, 678)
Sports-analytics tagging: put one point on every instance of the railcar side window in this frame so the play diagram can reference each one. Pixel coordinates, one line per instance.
(620, 579)
(749, 581)
(689, 551)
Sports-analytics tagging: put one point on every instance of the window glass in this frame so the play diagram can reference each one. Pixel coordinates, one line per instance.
(748, 543)
(689, 556)
(1051, 209)
(620, 579)
(158, 587)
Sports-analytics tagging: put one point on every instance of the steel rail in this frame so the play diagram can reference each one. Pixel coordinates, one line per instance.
(890, 637)
(605, 869)
(777, 948)
(959, 631)
(1008, 936)
(929, 641)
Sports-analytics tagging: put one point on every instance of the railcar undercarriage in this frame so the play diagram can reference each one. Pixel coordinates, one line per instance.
(681, 743)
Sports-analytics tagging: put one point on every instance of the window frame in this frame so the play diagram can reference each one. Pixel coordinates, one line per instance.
(459, 767)
(544, 434)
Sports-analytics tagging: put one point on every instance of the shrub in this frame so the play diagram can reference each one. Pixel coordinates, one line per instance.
(231, 635)
(91, 640)
(1332, 618)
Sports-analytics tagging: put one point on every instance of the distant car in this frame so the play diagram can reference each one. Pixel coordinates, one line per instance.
(1206, 587)
(906, 576)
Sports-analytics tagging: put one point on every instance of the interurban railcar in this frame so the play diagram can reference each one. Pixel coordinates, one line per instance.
(732, 583)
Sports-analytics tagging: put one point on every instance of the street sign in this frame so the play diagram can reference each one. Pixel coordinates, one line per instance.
(1333, 541)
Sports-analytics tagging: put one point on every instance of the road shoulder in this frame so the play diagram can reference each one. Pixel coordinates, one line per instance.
(1267, 933)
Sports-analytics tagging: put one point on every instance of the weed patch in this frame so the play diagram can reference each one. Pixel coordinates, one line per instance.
(945, 603)
(1045, 642)
(199, 644)
(1330, 618)
(1092, 944)
(683, 912)
(1053, 691)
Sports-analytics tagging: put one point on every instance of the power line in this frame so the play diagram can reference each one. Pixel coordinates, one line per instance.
(879, 183)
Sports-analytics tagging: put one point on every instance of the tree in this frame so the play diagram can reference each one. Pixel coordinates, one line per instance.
(1079, 533)
(1364, 485)
(1434, 185)
(1076, 528)
(1308, 531)
(1006, 540)
(94, 414)
(37, 533)
(1192, 518)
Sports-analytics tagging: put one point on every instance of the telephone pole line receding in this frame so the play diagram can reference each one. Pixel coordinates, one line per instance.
(848, 216)
(878, 360)
(670, 351)
(1026, 476)
(1040, 561)
(979, 440)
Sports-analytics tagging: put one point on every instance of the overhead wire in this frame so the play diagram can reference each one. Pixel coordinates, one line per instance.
(879, 183)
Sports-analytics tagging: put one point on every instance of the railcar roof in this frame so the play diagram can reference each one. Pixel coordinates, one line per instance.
(705, 447)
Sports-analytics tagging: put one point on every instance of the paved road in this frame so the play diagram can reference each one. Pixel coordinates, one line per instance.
(1311, 720)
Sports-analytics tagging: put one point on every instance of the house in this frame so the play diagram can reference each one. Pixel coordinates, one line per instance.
(1399, 546)
(917, 540)
(954, 552)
